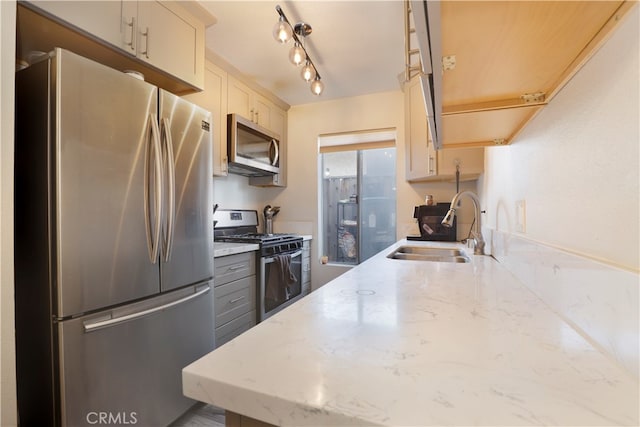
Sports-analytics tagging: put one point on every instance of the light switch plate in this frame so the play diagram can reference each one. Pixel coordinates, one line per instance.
(521, 216)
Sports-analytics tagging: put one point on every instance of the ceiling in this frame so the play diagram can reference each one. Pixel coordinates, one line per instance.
(357, 46)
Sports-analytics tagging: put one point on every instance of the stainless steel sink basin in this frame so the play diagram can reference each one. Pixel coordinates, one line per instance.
(421, 253)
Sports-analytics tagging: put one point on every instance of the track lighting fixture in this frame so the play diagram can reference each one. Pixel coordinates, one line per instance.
(282, 33)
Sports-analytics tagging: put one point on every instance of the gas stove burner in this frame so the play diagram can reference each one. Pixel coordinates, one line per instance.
(242, 227)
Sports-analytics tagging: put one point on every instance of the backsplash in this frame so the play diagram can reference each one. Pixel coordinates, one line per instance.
(600, 301)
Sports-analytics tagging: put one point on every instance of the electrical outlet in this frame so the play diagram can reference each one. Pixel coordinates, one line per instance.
(521, 216)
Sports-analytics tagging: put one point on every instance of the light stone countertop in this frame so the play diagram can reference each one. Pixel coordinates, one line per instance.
(408, 343)
(224, 248)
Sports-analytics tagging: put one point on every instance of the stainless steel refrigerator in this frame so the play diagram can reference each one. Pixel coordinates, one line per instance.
(114, 245)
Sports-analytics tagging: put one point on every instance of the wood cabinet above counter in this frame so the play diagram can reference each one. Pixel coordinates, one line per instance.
(504, 60)
(162, 40)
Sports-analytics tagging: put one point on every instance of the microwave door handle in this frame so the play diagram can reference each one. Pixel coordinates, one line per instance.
(274, 143)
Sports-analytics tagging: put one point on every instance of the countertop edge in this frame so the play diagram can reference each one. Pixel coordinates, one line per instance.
(221, 249)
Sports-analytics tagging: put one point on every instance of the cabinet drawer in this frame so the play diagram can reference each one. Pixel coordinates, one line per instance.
(230, 330)
(233, 267)
(234, 299)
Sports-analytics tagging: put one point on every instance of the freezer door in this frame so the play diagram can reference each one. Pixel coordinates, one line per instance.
(100, 126)
(187, 251)
(125, 365)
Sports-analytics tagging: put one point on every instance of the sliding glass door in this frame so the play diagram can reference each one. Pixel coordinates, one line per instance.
(358, 203)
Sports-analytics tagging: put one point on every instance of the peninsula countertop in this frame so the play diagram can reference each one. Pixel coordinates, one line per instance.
(415, 343)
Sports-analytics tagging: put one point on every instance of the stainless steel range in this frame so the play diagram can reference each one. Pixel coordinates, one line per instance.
(279, 259)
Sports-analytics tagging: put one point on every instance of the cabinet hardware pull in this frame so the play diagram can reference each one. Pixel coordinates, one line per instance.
(235, 267)
(235, 300)
(132, 42)
(146, 45)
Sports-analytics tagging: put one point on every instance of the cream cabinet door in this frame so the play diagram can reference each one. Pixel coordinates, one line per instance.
(103, 19)
(423, 162)
(159, 33)
(214, 99)
(249, 104)
(239, 98)
(420, 153)
(168, 39)
(262, 112)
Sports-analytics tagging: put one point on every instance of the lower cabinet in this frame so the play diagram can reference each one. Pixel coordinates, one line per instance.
(235, 295)
(306, 267)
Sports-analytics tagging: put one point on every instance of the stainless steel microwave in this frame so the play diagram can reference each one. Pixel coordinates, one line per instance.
(252, 149)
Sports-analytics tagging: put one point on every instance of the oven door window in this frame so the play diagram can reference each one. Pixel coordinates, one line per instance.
(282, 279)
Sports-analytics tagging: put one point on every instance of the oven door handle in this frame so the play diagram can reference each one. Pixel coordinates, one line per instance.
(293, 255)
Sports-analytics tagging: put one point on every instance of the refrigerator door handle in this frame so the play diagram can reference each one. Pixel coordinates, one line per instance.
(153, 150)
(101, 324)
(169, 164)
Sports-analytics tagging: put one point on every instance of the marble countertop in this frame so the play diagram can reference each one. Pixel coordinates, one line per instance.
(417, 343)
(224, 248)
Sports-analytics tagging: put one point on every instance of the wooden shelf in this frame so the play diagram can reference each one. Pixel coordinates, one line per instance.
(506, 49)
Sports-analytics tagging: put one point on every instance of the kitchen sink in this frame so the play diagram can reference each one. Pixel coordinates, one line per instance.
(421, 253)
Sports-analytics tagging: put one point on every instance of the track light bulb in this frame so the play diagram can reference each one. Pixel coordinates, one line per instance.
(317, 86)
(297, 55)
(282, 31)
(308, 72)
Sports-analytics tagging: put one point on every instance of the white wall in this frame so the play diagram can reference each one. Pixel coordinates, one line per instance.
(577, 167)
(234, 192)
(8, 415)
(576, 164)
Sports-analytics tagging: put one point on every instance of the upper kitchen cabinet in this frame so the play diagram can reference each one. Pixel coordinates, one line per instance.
(168, 38)
(423, 162)
(224, 93)
(250, 104)
(162, 40)
(214, 99)
(502, 61)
